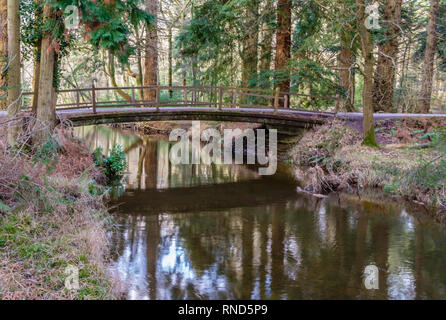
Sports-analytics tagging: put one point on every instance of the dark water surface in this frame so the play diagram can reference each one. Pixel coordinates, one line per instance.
(223, 232)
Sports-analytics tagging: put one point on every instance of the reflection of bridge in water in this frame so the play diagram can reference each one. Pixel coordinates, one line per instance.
(212, 197)
(155, 185)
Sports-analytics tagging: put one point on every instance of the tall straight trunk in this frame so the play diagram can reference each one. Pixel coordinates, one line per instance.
(3, 52)
(194, 63)
(346, 71)
(250, 45)
(170, 58)
(368, 125)
(424, 102)
(384, 82)
(403, 64)
(283, 45)
(14, 89)
(36, 77)
(151, 52)
(184, 71)
(140, 78)
(36, 71)
(266, 45)
(46, 109)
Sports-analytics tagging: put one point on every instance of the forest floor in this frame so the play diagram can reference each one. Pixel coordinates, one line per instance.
(52, 217)
(410, 163)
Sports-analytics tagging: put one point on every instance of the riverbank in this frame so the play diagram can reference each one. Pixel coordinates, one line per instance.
(52, 216)
(410, 163)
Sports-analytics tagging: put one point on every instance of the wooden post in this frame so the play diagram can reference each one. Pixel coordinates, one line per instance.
(220, 98)
(185, 96)
(337, 106)
(78, 104)
(93, 97)
(276, 100)
(133, 94)
(286, 103)
(158, 98)
(234, 98)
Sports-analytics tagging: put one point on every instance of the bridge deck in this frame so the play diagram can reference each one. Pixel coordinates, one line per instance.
(284, 117)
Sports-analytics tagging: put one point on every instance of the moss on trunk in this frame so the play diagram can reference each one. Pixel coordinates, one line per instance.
(370, 139)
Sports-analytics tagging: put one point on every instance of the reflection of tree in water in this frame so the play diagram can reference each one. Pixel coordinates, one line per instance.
(276, 252)
(303, 248)
(317, 266)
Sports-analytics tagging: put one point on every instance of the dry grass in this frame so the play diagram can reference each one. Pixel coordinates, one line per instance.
(331, 158)
(56, 218)
(74, 158)
(319, 143)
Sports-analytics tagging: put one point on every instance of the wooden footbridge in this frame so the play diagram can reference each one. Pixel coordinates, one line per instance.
(129, 104)
(99, 105)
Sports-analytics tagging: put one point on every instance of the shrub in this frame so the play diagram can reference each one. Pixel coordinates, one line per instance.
(114, 165)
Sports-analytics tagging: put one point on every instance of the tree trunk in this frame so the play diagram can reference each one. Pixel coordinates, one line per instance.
(346, 72)
(266, 45)
(184, 71)
(14, 88)
(194, 60)
(151, 59)
(170, 58)
(283, 45)
(112, 75)
(46, 110)
(36, 78)
(36, 71)
(3, 52)
(140, 78)
(137, 76)
(384, 82)
(367, 95)
(250, 45)
(424, 102)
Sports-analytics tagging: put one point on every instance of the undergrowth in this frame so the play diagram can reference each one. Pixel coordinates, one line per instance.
(113, 165)
(331, 158)
(52, 216)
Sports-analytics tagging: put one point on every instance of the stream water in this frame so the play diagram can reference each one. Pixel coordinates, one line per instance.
(223, 232)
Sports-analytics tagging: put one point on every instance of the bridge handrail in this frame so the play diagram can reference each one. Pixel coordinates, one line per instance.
(277, 98)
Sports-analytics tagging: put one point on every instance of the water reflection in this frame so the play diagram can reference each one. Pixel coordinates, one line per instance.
(226, 233)
(149, 165)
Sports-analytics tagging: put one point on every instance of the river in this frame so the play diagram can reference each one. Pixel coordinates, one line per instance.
(224, 232)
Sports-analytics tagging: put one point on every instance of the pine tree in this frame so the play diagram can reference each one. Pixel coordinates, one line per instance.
(384, 79)
(424, 102)
(283, 45)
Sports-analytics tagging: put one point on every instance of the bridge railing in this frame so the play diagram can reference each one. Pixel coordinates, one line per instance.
(180, 96)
